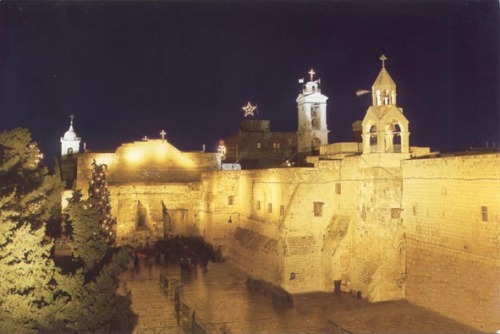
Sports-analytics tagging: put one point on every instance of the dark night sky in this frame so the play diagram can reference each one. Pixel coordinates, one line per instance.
(129, 69)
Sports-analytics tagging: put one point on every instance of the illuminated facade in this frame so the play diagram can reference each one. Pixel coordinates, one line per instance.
(70, 142)
(380, 217)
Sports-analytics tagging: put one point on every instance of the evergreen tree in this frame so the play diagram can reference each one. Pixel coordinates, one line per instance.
(30, 295)
(98, 190)
(35, 296)
(95, 304)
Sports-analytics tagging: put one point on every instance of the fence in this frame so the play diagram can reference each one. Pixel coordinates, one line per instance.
(186, 315)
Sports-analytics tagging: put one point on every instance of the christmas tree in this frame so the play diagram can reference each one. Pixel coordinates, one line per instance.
(98, 191)
(95, 305)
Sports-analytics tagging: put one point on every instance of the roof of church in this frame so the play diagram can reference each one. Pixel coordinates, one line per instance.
(384, 81)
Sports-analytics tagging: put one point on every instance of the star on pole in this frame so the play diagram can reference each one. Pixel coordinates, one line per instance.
(249, 109)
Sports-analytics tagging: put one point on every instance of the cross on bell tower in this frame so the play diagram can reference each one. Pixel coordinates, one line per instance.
(383, 58)
(311, 74)
(162, 134)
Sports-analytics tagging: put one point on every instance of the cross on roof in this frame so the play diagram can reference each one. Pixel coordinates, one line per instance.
(312, 73)
(383, 58)
(145, 138)
(71, 118)
(162, 134)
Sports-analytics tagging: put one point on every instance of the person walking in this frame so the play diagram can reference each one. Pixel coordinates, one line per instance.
(137, 267)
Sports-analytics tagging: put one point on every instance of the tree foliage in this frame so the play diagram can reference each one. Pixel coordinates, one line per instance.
(35, 296)
(99, 192)
(96, 304)
(29, 292)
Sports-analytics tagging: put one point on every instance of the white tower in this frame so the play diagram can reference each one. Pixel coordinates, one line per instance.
(312, 129)
(70, 143)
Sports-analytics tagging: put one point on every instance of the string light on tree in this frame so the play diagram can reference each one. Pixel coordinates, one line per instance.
(249, 109)
(98, 191)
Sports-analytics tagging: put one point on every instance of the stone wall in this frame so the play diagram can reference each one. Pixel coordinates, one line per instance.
(427, 230)
(452, 237)
(167, 208)
(155, 188)
(303, 228)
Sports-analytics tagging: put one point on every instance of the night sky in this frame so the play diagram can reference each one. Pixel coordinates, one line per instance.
(129, 69)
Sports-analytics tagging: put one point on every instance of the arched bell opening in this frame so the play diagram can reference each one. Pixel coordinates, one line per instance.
(373, 138)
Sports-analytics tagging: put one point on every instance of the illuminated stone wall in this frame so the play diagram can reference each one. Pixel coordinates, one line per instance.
(155, 188)
(303, 228)
(167, 208)
(428, 231)
(452, 250)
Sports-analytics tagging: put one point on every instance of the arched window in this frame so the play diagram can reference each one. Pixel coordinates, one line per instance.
(396, 140)
(373, 138)
(315, 145)
(70, 151)
(393, 137)
(315, 117)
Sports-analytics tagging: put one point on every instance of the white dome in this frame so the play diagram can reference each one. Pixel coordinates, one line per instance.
(70, 134)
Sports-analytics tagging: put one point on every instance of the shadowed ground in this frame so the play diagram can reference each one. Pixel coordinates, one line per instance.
(222, 303)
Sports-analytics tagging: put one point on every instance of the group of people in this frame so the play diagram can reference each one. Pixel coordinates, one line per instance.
(187, 252)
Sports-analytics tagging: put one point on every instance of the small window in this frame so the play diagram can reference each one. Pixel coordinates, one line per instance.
(258, 205)
(258, 145)
(276, 147)
(338, 188)
(282, 210)
(318, 209)
(270, 207)
(395, 212)
(70, 151)
(230, 200)
(484, 213)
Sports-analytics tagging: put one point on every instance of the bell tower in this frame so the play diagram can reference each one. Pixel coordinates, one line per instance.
(385, 128)
(70, 143)
(312, 129)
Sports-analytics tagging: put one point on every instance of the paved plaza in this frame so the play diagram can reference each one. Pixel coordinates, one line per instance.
(219, 301)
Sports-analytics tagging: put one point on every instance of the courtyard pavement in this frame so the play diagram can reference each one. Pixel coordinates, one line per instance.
(221, 303)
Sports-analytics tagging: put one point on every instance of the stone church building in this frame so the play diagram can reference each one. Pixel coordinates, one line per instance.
(380, 217)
